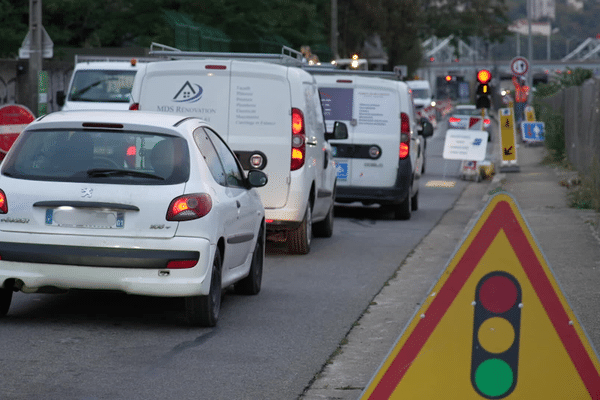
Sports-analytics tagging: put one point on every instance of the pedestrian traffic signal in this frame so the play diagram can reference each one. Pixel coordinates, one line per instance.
(496, 331)
(483, 89)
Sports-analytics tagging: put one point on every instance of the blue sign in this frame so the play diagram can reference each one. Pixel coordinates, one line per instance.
(533, 131)
(342, 170)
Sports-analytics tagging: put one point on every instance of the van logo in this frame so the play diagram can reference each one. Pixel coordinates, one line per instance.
(188, 94)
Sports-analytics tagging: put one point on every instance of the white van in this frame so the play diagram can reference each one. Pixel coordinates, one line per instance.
(99, 83)
(422, 94)
(381, 161)
(271, 117)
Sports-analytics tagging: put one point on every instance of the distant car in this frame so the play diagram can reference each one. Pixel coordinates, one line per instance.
(144, 203)
(463, 118)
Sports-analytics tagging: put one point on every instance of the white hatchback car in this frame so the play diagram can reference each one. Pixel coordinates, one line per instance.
(145, 203)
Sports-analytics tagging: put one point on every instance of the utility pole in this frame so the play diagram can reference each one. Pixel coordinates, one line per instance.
(334, 29)
(35, 55)
(530, 46)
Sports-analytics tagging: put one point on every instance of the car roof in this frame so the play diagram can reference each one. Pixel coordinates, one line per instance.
(466, 106)
(125, 117)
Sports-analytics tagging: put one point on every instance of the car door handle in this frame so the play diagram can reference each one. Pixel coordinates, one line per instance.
(312, 141)
(238, 204)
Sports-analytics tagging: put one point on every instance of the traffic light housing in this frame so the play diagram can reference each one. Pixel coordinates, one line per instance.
(496, 332)
(483, 93)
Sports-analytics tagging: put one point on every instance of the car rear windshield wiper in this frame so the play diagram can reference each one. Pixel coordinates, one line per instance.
(103, 172)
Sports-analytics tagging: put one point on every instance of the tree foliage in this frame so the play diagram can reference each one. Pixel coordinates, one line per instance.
(399, 23)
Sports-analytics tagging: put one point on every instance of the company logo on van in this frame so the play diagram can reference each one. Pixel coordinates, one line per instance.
(188, 94)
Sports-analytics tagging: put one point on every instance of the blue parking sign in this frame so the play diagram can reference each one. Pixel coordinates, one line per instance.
(342, 170)
(533, 131)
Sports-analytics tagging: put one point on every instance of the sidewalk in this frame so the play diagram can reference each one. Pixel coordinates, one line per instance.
(567, 237)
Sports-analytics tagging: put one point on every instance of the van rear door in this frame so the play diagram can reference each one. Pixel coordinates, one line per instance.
(370, 109)
(260, 121)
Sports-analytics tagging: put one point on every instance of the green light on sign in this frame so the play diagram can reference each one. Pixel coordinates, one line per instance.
(493, 377)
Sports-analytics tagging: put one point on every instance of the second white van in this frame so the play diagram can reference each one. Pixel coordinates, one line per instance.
(382, 159)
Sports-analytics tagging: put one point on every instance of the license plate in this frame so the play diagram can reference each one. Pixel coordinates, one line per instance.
(77, 218)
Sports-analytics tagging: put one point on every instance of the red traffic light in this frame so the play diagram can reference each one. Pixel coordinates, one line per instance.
(484, 76)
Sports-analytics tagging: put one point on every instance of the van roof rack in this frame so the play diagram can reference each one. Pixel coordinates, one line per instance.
(86, 58)
(331, 70)
(288, 55)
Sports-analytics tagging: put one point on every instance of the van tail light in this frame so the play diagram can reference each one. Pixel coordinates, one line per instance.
(3, 203)
(404, 136)
(298, 140)
(189, 206)
(134, 106)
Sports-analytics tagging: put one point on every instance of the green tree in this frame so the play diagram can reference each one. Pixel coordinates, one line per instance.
(14, 24)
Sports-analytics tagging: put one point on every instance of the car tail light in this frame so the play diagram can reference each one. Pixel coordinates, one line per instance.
(487, 121)
(454, 120)
(298, 140)
(181, 264)
(134, 106)
(189, 206)
(404, 136)
(3, 203)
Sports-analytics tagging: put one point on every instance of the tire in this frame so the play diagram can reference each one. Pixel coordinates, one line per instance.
(251, 284)
(403, 210)
(299, 239)
(414, 202)
(5, 299)
(204, 310)
(325, 228)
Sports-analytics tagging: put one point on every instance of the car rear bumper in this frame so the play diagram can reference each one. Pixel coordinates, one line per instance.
(132, 268)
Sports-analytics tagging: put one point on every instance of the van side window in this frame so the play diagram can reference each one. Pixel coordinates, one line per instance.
(233, 173)
(210, 156)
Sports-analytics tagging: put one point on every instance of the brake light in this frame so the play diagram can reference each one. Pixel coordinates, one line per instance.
(189, 206)
(454, 119)
(3, 203)
(298, 140)
(487, 121)
(181, 264)
(134, 106)
(404, 136)
(215, 67)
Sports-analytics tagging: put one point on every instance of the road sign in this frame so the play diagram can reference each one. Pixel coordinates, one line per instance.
(533, 131)
(529, 114)
(465, 144)
(508, 145)
(496, 325)
(519, 66)
(13, 119)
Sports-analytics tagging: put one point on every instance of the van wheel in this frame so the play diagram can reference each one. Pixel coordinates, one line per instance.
(403, 210)
(250, 285)
(414, 202)
(204, 310)
(300, 238)
(5, 299)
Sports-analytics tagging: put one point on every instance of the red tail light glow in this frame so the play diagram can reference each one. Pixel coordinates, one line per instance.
(3, 203)
(189, 206)
(181, 264)
(454, 119)
(134, 107)
(404, 136)
(298, 140)
(487, 121)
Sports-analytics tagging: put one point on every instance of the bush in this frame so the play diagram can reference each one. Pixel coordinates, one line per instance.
(554, 124)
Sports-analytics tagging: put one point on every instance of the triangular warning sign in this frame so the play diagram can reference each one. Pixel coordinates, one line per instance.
(473, 121)
(495, 326)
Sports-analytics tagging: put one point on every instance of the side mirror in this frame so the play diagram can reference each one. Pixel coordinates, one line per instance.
(257, 178)
(60, 97)
(426, 127)
(340, 131)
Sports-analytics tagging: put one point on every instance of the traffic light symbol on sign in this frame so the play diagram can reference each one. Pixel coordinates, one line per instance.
(496, 331)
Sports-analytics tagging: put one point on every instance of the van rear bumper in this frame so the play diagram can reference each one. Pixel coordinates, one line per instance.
(381, 195)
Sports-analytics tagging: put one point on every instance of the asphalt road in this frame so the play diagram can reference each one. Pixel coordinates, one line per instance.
(90, 345)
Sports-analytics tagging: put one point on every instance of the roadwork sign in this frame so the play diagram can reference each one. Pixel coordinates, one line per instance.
(496, 325)
(533, 131)
(508, 143)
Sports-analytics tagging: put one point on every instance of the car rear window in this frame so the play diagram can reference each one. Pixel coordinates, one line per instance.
(99, 156)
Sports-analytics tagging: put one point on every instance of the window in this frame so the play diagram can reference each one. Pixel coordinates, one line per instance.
(210, 156)
(233, 175)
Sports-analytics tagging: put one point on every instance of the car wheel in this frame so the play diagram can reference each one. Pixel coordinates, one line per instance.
(204, 310)
(5, 299)
(250, 285)
(403, 210)
(414, 202)
(300, 238)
